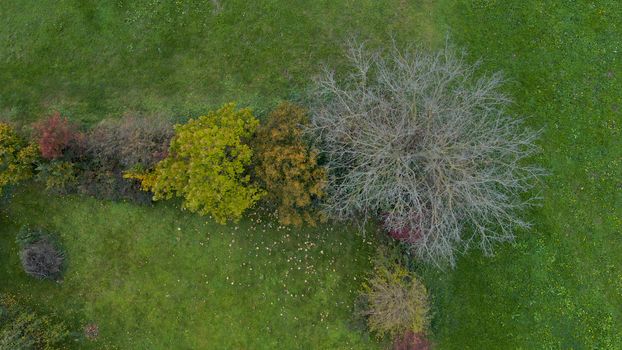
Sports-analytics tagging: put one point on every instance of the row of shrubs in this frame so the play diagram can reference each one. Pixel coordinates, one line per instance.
(219, 164)
(414, 140)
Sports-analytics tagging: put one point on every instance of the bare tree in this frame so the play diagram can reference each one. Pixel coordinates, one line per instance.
(415, 138)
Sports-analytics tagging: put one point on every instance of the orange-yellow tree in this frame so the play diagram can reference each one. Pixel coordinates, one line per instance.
(287, 167)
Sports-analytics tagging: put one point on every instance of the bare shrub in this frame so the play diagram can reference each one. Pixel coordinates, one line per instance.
(416, 139)
(130, 142)
(397, 302)
(42, 259)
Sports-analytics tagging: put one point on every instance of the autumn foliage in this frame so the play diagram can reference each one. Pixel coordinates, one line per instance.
(287, 167)
(16, 157)
(130, 142)
(54, 134)
(397, 301)
(412, 341)
(207, 165)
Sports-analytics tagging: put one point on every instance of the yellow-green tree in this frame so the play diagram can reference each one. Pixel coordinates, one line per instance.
(207, 165)
(287, 167)
(16, 157)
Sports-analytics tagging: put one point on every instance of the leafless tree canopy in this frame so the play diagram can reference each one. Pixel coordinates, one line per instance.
(414, 138)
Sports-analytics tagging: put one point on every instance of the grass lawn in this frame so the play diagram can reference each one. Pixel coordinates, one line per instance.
(159, 278)
(560, 285)
(137, 271)
(92, 59)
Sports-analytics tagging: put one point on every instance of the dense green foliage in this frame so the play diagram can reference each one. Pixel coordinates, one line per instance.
(16, 157)
(21, 329)
(287, 167)
(58, 176)
(207, 165)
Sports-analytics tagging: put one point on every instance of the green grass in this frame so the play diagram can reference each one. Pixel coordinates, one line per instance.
(560, 285)
(94, 59)
(159, 278)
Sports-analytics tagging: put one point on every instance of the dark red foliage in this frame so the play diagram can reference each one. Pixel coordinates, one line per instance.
(407, 234)
(54, 134)
(91, 331)
(412, 341)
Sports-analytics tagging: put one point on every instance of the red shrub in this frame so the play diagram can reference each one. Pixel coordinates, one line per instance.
(54, 134)
(407, 234)
(411, 341)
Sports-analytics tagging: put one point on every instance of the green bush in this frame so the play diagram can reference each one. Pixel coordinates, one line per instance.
(57, 176)
(21, 329)
(110, 185)
(16, 157)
